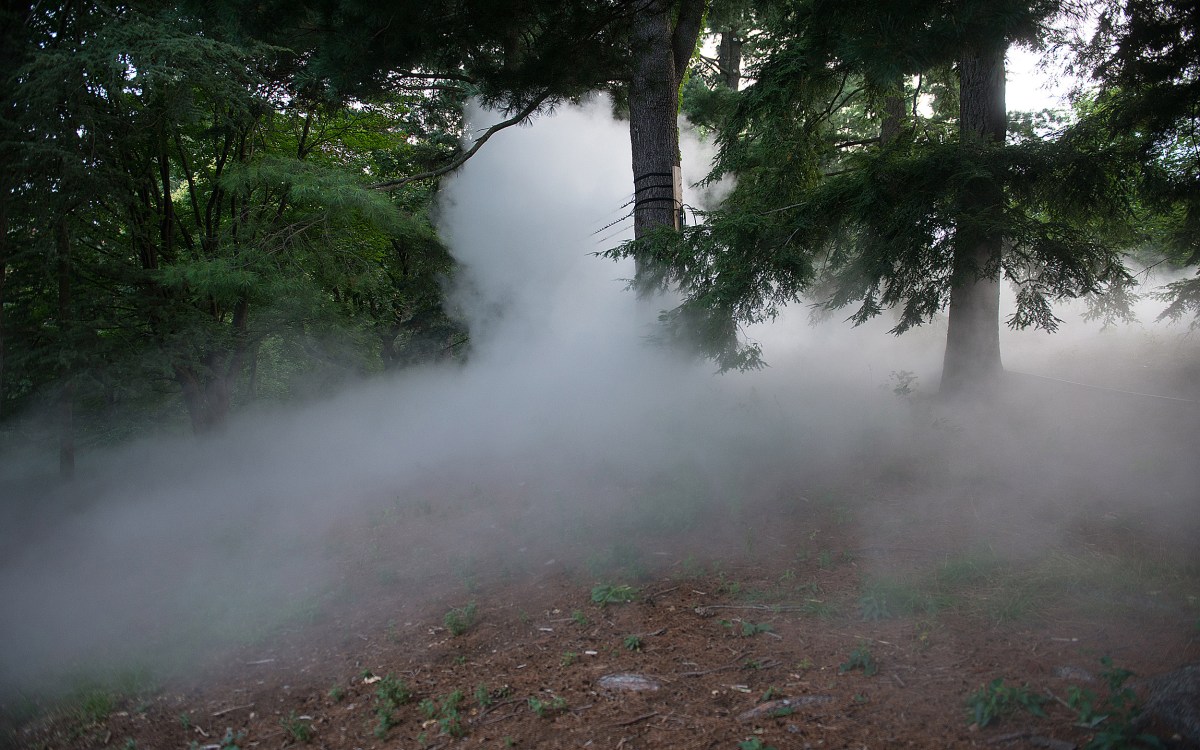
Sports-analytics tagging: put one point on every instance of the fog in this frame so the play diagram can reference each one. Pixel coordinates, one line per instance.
(562, 418)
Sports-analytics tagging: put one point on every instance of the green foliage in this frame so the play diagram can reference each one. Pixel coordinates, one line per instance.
(632, 642)
(745, 628)
(390, 694)
(1113, 717)
(232, 740)
(860, 658)
(446, 713)
(299, 729)
(997, 700)
(754, 743)
(231, 245)
(547, 708)
(579, 618)
(605, 594)
(460, 619)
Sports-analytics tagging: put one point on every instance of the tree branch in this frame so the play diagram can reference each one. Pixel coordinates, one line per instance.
(461, 159)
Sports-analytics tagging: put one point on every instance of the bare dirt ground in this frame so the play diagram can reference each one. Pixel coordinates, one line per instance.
(855, 612)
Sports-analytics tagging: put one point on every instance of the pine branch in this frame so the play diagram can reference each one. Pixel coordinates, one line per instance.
(454, 164)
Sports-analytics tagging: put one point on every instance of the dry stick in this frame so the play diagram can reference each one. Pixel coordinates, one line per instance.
(731, 665)
(462, 158)
(488, 709)
(703, 609)
(231, 709)
(634, 720)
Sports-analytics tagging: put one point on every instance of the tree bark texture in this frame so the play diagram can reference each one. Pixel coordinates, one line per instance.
(729, 59)
(972, 359)
(653, 131)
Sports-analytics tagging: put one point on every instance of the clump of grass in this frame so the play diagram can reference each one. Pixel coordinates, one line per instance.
(605, 594)
(460, 619)
(298, 728)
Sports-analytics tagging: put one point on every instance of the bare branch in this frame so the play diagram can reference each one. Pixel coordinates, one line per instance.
(462, 158)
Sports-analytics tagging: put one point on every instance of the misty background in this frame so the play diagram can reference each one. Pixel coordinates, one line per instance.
(564, 422)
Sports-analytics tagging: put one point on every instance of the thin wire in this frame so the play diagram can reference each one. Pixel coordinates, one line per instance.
(612, 223)
(1103, 388)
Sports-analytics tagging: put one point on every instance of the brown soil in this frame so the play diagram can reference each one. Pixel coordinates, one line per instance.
(733, 613)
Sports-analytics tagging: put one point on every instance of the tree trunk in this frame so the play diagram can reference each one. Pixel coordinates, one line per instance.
(66, 395)
(894, 111)
(729, 59)
(972, 360)
(653, 132)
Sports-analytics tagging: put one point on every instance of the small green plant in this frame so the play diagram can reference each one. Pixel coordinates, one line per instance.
(745, 628)
(509, 742)
(390, 695)
(185, 721)
(483, 696)
(296, 727)
(860, 658)
(754, 743)
(633, 642)
(230, 740)
(569, 658)
(337, 693)
(605, 594)
(580, 618)
(771, 694)
(996, 700)
(130, 744)
(1114, 717)
(547, 708)
(446, 713)
(824, 559)
(460, 619)
(905, 383)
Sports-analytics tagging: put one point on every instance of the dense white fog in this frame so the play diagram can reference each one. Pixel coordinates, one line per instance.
(168, 544)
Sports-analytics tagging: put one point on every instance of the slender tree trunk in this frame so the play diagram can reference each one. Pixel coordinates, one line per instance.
(894, 113)
(3, 278)
(729, 58)
(972, 361)
(66, 394)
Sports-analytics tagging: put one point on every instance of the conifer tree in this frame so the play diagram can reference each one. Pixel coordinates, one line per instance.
(914, 217)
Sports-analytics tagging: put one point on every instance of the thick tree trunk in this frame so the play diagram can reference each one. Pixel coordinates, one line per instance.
(653, 132)
(972, 360)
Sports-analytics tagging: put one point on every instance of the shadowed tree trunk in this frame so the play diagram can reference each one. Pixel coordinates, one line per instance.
(66, 394)
(662, 44)
(972, 360)
(729, 58)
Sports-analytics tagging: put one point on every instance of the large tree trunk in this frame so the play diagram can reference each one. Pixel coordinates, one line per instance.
(664, 37)
(972, 360)
(653, 132)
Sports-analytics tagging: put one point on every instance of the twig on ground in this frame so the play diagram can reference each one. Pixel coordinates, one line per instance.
(635, 719)
(231, 709)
